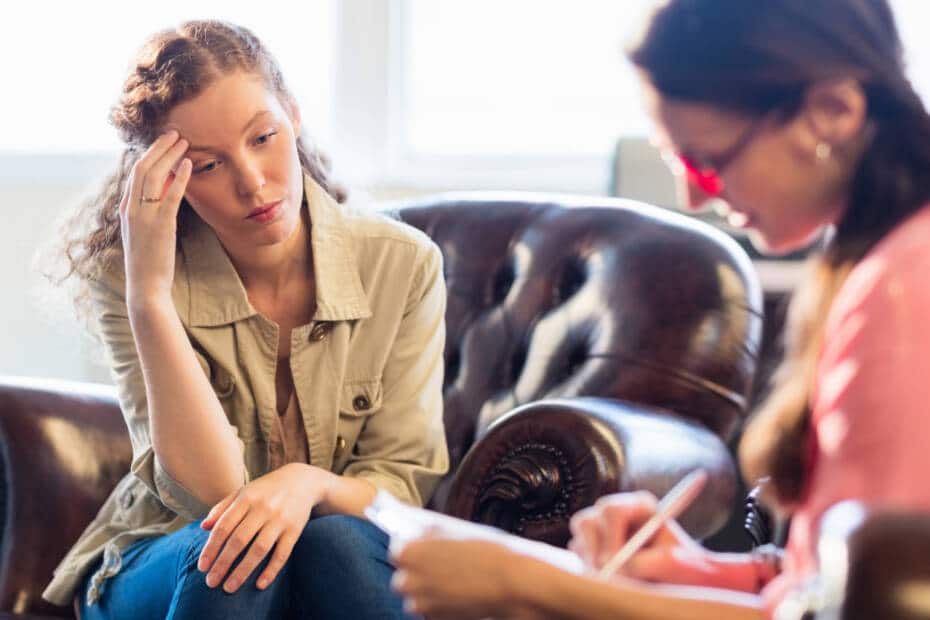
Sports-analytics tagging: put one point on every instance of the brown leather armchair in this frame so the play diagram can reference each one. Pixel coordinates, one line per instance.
(874, 563)
(594, 345)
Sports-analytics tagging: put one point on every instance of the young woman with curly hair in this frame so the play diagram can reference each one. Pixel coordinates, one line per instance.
(278, 355)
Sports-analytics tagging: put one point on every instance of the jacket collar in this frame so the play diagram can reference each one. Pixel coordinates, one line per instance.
(216, 296)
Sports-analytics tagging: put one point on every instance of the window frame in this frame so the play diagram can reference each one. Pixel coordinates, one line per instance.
(370, 85)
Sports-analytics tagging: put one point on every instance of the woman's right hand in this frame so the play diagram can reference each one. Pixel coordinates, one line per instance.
(148, 218)
(670, 556)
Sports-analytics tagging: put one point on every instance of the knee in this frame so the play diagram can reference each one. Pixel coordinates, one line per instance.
(190, 541)
(341, 542)
(342, 569)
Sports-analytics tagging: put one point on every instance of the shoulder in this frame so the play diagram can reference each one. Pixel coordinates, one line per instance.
(891, 278)
(110, 277)
(875, 339)
(368, 222)
(379, 233)
(871, 390)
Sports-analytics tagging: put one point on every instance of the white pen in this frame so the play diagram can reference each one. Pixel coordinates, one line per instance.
(672, 505)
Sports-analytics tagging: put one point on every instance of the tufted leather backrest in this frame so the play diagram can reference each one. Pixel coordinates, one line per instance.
(575, 296)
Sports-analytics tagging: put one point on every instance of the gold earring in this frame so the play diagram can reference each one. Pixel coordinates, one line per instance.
(823, 151)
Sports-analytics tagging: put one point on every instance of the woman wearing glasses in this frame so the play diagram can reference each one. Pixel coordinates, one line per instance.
(798, 115)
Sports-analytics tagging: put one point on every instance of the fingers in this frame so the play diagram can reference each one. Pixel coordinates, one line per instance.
(150, 173)
(221, 530)
(586, 535)
(441, 578)
(618, 522)
(282, 552)
(415, 597)
(409, 553)
(176, 185)
(156, 179)
(420, 600)
(576, 546)
(127, 192)
(599, 531)
(258, 550)
(236, 541)
(217, 511)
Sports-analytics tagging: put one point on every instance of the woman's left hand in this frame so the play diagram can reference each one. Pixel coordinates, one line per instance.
(457, 579)
(268, 513)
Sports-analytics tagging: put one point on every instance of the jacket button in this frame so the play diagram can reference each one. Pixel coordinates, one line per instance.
(319, 331)
(127, 500)
(340, 445)
(361, 403)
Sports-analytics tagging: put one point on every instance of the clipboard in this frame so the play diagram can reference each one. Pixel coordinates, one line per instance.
(404, 523)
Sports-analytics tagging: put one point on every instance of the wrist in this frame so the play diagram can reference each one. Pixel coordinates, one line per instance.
(766, 562)
(735, 571)
(319, 484)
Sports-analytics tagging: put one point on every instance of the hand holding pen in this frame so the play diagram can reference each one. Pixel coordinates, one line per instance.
(634, 535)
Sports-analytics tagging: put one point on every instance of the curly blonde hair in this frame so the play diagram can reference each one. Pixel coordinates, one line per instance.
(173, 66)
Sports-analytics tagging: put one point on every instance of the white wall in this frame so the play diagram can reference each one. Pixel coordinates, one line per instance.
(39, 338)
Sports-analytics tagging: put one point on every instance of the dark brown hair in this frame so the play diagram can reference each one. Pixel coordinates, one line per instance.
(173, 66)
(755, 57)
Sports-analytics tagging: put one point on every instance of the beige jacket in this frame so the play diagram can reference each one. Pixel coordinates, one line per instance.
(367, 372)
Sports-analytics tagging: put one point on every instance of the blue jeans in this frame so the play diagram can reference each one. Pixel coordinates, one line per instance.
(338, 569)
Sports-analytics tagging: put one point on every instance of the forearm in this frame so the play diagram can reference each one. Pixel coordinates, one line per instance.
(541, 590)
(190, 433)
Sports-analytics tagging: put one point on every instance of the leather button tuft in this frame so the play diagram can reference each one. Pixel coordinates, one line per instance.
(361, 403)
(319, 331)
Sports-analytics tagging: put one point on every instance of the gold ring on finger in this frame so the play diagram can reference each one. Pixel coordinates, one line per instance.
(145, 199)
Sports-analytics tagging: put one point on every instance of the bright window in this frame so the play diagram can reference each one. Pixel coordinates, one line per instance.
(474, 84)
(540, 78)
(63, 63)
(912, 17)
(521, 77)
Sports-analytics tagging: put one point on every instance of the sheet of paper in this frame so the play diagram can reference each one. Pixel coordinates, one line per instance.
(404, 523)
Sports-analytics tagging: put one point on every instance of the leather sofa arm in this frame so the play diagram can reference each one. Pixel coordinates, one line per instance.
(544, 461)
(63, 447)
(874, 563)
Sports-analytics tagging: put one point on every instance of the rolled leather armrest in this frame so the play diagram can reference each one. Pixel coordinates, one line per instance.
(874, 563)
(63, 447)
(544, 461)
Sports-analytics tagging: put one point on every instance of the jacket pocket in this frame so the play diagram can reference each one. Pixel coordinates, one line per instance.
(359, 401)
(360, 398)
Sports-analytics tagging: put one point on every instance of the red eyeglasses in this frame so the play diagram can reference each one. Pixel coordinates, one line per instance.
(706, 173)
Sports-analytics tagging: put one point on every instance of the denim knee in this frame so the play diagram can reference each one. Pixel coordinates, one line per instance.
(341, 540)
(190, 540)
(341, 570)
(194, 599)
